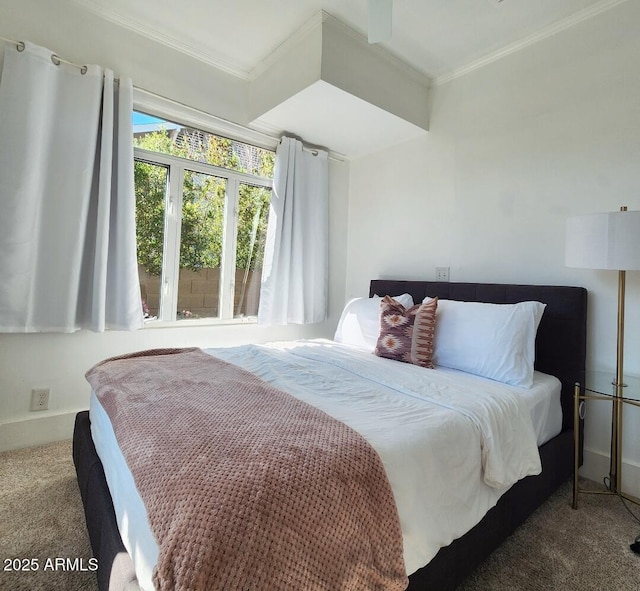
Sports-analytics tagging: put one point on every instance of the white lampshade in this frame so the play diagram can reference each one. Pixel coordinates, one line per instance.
(604, 241)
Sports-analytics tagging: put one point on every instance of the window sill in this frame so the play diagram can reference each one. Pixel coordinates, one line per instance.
(201, 322)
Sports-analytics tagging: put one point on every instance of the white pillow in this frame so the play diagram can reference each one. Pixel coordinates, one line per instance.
(496, 341)
(359, 324)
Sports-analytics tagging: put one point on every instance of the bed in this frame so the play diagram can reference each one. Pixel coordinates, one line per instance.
(560, 348)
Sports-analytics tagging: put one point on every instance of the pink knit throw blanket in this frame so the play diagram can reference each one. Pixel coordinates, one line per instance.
(246, 487)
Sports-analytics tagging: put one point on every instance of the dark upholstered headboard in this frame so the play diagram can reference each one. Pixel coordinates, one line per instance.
(561, 342)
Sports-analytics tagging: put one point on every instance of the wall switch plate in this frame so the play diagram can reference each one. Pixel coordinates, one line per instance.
(442, 273)
(40, 398)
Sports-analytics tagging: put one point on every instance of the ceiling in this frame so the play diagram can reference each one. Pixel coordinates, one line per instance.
(437, 37)
(439, 40)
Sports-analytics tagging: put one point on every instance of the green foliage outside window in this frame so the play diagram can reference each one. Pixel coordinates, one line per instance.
(203, 201)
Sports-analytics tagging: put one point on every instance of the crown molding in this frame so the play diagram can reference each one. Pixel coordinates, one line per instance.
(378, 50)
(553, 29)
(318, 20)
(220, 61)
(294, 40)
(226, 64)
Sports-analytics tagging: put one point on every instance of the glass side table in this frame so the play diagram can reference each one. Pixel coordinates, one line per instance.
(602, 386)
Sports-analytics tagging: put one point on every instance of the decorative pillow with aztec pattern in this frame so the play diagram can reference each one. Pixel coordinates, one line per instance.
(406, 334)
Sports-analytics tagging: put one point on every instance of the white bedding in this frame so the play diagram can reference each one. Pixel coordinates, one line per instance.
(482, 437)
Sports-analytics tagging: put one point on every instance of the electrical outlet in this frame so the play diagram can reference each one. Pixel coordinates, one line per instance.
(442, 273)
(40, 398)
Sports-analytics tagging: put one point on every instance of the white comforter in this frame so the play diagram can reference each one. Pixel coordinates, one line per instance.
(440, 437)
(451, 443)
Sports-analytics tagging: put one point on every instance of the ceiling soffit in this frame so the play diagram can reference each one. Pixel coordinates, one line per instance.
(329, 85)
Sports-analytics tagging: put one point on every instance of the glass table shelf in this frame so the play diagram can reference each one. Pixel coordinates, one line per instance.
(600, 385)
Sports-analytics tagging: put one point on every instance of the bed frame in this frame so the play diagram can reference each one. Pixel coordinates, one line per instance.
(560, 351)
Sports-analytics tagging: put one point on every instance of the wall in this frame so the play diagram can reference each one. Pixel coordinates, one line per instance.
(514, 149)
(59, 361)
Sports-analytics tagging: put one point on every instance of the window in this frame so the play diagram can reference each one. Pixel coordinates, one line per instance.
(202, 207)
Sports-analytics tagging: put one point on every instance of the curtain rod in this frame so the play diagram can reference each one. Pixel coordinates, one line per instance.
(57, 60)
(231, 123)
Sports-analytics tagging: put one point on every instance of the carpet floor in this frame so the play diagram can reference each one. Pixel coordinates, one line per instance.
(41, 518)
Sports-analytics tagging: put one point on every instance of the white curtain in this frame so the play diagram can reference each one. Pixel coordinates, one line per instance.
(67, 204)
(295, 269)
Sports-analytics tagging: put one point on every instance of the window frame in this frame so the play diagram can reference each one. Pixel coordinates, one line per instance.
(176, 167)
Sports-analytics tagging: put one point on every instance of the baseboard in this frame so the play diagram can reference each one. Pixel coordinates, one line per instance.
(596, 468)
(36, 431)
